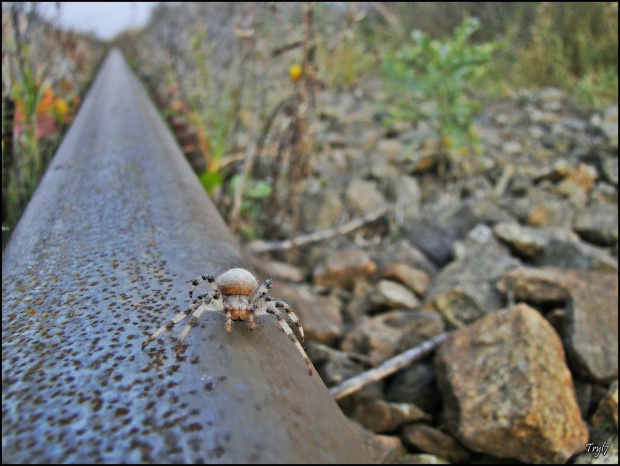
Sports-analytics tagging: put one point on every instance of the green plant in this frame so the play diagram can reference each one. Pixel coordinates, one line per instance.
(442, 71)
(254, 191)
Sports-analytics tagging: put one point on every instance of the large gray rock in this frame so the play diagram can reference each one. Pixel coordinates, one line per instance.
(530, 242)
(464, 291)
(507, 390)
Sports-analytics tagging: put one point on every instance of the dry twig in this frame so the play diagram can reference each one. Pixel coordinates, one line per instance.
(387, 368)
(264, 246)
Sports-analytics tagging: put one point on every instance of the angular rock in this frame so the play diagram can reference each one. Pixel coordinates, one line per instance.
(359, 304)
(383, 449)
(609, 124)
(343, 268)
(433, 441)
(333, 365)
(591, 333)
(319, 315)
(577, 255)
(390, 333)
(507, 390)
(415, 279)
(558, 171)
(609, 167)
(381, 416)
(389, 294)
(598, 224)
(389, 149)
(530, 242)
(607, 411)
(404, 251)
(275, 269)
(550, 212)
(434, 240)
(465, 290)
(364, 196)
(415, 384)
(405, 192)
(319, 210)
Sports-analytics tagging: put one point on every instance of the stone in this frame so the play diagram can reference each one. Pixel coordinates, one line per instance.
(381, 416)
(464, 291)
(334, 366)
(432, 239)
(558, 171)
(577, 255)
(530, 242)
(319, 210)
(383, 449)
(389, 149)
(343, 267)
(433, 441)
(405, 193)
(389, 294)
(358, 304)
(421, 458)
(609, 124)
(385, 335)
(598, 224)
(590, 338)
(275, 269)
(415, 384)
(415, 279)
(550, 212)
(607, 412)
(364, 196)
(507, 389)
(405, 252)
(609, 167)
(319, 315)
(512, 148)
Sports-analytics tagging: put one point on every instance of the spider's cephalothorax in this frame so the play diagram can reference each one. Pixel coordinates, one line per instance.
(236, 294)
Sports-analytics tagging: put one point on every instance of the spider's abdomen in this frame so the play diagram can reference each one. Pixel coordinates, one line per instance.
(236, 281)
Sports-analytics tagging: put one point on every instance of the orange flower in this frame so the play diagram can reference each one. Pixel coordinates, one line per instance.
(47, 101)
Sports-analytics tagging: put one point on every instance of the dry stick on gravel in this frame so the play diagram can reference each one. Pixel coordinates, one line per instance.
(264, 246)
(387, 368)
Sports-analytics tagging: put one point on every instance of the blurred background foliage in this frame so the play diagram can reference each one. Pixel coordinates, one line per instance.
(221, 72)
(45, 73)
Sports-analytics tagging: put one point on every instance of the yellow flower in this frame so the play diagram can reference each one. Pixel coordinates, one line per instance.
(294, 72)
(61, 108)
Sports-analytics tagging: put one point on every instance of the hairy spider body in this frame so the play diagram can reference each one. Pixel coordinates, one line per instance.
(236, 294)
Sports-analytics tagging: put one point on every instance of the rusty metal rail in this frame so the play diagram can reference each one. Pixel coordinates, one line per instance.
(101, 258)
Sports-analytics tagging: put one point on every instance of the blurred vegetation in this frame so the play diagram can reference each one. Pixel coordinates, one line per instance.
(44, 73)
(242, 79)
(443, 72)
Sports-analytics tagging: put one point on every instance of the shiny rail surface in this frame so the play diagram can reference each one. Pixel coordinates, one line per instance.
(102, 257)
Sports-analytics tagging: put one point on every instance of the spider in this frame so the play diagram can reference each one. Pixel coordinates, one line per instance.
(235, 293)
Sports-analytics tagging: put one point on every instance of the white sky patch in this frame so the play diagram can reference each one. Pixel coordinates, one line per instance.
(104, 19)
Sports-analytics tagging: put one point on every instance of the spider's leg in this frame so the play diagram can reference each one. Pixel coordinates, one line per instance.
(292, 316)
(207, 305)
(261, 291)
(228, 319)
(195, 283)
(179, 317)
(270, 308)
(251, 310)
